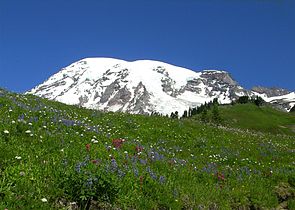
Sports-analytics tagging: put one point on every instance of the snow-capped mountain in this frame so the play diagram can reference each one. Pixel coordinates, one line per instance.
(279, 97)
(144, 86)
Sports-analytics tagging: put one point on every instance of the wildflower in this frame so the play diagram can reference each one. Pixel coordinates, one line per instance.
(114, 165)
(152, 174)
(27, 131)
(18, 157)
(117, 143)
(220, 176)
(79, 166)
(22, 173)
(13, 122)
(44, 200)
(162, 179)
(89, 182)
(141, 182)
(108, 148)
(121, 173)
(143, 162)
(94, 141)
(95, 161)
(6, 132)
(138, 149)
(135, 171)
(62, 150)
(88, 147)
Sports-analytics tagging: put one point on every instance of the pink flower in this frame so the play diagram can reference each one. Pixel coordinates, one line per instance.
(117, 143)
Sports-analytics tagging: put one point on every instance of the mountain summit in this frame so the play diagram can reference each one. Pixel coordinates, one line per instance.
(145, 86)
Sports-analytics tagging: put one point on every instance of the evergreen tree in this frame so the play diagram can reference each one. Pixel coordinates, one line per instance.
(200, 109)
(215, 114)
(243, 100)
(258, 101)
(215, 101)
(172, 115)
(184, 114)
(194, 111)
(204, 115)
(176, 114)
(189, 112)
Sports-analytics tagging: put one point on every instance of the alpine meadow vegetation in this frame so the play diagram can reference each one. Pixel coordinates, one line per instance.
(56, 156)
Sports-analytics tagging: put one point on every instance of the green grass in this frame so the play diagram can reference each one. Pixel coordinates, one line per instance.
(264, 119)
(68, 156)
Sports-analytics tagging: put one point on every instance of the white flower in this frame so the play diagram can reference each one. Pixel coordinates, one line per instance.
(28, 131)
(62, 150)
(6, 131)
(44, 200)
(125, 152)
(29, 123)
(94, 141)
(12, 121)
(18, 157)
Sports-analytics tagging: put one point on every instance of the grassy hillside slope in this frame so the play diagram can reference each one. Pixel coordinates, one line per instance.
(264, 119)
(54, 156)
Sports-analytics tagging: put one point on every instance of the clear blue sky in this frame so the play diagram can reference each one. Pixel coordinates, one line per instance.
(252, 39)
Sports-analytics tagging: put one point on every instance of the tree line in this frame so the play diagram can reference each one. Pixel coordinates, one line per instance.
(209, 111)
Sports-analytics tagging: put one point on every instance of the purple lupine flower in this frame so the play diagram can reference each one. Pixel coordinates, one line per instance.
(162, 179)
(114, 165)
(152, 174)
(135, 171)
(89, 182)
(79, 166)
(142, 161)
(121, 173)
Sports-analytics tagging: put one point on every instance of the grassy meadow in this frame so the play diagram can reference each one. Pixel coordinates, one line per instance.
(55, 156)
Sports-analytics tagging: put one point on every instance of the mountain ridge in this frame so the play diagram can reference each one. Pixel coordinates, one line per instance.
(146, 86)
